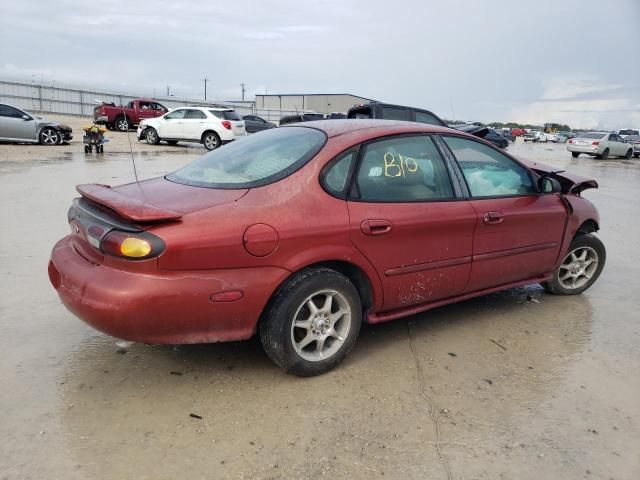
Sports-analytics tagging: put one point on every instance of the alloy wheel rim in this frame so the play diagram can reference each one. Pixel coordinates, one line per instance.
(211, 141)
(122, 125)
(50, 137)
(578, 268)
(151, 136)
(321, 325)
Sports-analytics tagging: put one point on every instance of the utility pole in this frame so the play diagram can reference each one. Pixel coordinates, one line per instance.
(205, 80)
(168, 89)
(243, 90)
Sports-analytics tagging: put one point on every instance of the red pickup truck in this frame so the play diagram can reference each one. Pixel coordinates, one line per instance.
(124, 118)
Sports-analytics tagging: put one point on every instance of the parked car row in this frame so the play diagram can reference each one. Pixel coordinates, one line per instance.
(17, 125)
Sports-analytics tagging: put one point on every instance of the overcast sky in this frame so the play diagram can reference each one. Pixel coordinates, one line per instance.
(569, 61)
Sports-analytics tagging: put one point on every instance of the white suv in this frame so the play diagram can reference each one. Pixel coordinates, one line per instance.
(211, 126)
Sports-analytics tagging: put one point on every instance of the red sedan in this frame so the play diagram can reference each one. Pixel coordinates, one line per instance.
(303, 232)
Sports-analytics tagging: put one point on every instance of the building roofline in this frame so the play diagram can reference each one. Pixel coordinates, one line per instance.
(311, 94)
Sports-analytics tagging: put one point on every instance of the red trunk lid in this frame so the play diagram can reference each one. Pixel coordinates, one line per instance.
(157, 200)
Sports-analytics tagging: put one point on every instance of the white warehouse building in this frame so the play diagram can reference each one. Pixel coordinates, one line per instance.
(310, 102)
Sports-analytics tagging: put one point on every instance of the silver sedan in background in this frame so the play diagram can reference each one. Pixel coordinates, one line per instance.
(18, 126)
(600, 145)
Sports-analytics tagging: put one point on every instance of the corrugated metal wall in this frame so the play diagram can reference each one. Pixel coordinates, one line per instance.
(68, 100)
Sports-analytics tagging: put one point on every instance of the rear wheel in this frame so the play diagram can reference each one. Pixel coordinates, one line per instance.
(575, 154)
(151, 136)
(629, 153)
(122, 124)
(605, 154)
(211, 140)
(312, 322)
(580, 268)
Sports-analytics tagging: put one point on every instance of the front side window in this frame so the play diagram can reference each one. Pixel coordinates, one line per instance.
(7, 111)
(393, 113)
(176, 115)
(255, 161)
(403, 169)
(488, 172)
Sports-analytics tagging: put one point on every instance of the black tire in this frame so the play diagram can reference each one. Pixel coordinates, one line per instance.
(122, 123)
(605, 154)
(211, 140)
(49, 136)
(86, 149)
(276, 325)
(151, 136)
(629, 153)
(580, 242)
(575, 154)
(173, 143)
(636, 155)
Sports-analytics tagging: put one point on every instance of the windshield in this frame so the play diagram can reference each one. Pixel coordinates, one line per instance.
(591, 135)
(260, 159)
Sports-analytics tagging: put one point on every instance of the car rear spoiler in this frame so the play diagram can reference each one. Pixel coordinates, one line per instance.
(127, 207)
(571, 183)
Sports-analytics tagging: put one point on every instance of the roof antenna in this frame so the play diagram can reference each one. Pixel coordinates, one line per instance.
(133, 162)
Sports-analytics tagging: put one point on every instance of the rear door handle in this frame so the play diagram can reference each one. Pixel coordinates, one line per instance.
(493, 218)
(376, 227)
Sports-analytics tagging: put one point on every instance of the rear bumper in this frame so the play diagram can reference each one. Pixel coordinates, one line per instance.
(592, 149)
(164, 306)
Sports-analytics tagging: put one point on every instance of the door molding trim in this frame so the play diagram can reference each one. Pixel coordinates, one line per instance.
(514, 251)
(420, 267)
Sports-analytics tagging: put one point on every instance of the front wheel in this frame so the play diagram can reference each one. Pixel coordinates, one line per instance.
(629, 153)
(580, 268)
(312, 322)
(122, 124)
(151, 136)
(575, 154)
(49, 136)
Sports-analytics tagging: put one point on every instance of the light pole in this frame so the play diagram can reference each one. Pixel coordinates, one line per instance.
(205, 80)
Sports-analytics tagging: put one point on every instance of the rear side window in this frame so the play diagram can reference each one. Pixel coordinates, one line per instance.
(425, 117)
(488, 172)
(335, 178)
(195, 115)
(255, 161)
(403, 169)
(393, 113)
(7, 111)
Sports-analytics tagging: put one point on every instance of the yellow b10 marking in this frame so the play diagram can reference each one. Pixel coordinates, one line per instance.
(394, 169)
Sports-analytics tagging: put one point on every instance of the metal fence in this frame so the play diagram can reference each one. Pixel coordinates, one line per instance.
(50, 97)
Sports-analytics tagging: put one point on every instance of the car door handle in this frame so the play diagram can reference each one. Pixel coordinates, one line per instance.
(375, 227)
(493, 218)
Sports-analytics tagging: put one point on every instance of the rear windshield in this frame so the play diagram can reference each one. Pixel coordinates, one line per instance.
(226, 114)
(591, 135)
(260, 159)
(628, 131)
(313, 116)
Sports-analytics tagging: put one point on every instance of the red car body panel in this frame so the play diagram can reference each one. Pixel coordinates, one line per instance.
(241, 245)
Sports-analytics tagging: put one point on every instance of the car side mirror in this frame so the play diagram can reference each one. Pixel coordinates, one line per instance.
(549, 185)
(26, 117)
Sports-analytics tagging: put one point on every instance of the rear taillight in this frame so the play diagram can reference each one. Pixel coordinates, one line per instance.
(595, 143)
(132, 246)
(570, 141)
(226, 124)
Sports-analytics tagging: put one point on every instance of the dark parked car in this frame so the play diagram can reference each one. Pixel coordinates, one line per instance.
(254, 124)
(508, 134)
(387, 111)
(302, 232)
(496, 138)
(336, 116)
(19, 126)
(302, 117)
